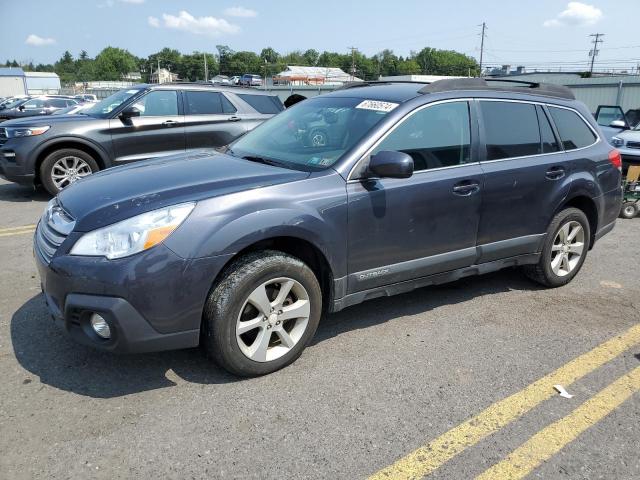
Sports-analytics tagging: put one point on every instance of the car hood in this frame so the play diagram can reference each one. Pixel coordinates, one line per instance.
(633, 135)
(38, 120)
(122, 192)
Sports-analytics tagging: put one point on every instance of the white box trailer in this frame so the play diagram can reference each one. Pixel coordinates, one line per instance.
(12, 82)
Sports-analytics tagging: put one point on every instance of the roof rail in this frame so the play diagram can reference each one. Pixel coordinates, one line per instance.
(368, 83)
(545, 89)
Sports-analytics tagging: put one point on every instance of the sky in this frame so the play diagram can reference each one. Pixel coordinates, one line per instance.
(536, 33)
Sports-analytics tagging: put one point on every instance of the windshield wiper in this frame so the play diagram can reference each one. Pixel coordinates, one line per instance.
(266, 161)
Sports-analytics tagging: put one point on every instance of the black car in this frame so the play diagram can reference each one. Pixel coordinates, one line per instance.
(243, 251)
(143, 122)
(44, 105)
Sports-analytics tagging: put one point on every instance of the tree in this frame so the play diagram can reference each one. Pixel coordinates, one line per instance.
(65, 68)
(311, 57)
(112, 63)
(269, 55)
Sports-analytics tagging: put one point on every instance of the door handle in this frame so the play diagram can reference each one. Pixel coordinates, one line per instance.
(169, 123)
(555, 173)
(466, 188)
(234, 119)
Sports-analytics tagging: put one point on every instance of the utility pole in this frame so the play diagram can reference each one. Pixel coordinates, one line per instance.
(594, 53)
(353, 62)
(483, 34)
(206, 70)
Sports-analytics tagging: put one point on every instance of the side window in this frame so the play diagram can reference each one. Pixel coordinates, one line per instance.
(437, 136)
(158, 103)
(58, 102)
(266, 104)
(574, 133)
(207, 103)
(33, 104)
(511, 129)
(549, 142)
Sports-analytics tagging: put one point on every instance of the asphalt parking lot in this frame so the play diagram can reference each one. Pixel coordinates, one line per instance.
(451, 382)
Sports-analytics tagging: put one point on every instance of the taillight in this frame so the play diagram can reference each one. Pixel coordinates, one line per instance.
(616, 159)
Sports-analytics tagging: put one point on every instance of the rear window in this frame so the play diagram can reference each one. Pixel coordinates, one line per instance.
(208, 103)
(511, 129)
(573, 131)
(263, 103)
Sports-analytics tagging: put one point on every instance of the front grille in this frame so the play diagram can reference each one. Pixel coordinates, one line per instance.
(52, 230)
(633, 144)
(3, 136)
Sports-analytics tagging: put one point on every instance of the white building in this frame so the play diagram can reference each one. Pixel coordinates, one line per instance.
(42, 83)
(300, 75)
(163, 76)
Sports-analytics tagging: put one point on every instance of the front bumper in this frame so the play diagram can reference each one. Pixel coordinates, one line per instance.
(152, 301)
(16, 164)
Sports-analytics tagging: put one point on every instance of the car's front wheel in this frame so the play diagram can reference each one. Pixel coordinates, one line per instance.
(262, 314)
(565, 249)
(64, 167)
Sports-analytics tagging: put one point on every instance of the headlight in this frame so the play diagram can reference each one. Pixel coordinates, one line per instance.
(16, 132)
(617, 142)
(134, 234)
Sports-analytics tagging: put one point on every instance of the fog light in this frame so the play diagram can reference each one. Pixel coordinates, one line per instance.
(100, 326)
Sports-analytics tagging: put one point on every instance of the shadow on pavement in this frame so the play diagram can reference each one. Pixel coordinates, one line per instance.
(45, 351)
(11, 192)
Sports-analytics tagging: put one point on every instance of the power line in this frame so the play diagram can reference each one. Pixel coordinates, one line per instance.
(595, 51)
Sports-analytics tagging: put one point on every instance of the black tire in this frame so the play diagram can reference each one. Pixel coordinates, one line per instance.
(225, 302)
(542, 272)
(46, 168)
(629, 210)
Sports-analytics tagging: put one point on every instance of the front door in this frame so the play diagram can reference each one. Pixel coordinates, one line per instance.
(401, 229)
(158, 131)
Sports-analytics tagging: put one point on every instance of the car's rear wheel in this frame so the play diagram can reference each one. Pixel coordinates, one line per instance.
(263, 313)
(64, 167)
(629, 210)
(565, 249)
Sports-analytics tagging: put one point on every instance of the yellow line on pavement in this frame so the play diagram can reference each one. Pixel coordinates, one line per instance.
(431, 456)
(549, 441)
(17, 232)
(13, 229)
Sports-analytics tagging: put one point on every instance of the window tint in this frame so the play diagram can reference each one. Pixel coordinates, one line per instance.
(35, 103)
(158, 103)
(208, 103)
(58, 102)
(574, 133)
(437, 136)
(549, 142)
(511, 129)
(263, 103)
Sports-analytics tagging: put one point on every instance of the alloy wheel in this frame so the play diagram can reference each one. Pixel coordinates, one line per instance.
(567, 248)
(273, 319)
(68, 170)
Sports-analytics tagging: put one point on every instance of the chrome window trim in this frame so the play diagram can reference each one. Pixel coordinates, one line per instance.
(392, 129)
(530, 102)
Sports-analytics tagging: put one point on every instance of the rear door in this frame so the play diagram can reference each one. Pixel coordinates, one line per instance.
(211, 120)
(526, 177)
(158, 131)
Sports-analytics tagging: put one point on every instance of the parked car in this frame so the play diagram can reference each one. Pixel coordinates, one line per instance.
(243, 251)
(249, 80)
(622, 130)
(37, 106)
(13, 100)
(86, 97)
(221, 80)
(143, 122)
(235, 80)
(73, 109)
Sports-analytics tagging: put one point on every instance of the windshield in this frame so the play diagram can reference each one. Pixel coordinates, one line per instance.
(105, 107)
(313, 134)
(14, 103)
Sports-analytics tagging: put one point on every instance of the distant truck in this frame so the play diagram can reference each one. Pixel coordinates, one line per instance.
(249, 80)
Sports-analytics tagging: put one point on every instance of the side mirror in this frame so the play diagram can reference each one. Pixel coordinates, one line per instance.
(129, 113)
(391, 165)
(618, 124)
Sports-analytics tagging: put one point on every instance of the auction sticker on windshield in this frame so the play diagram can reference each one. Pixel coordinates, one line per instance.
(377, 105)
